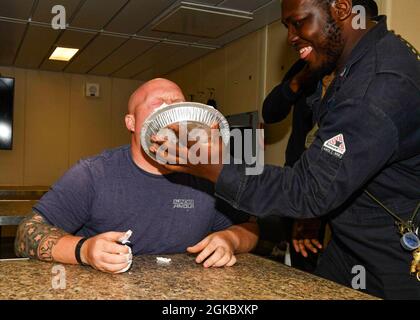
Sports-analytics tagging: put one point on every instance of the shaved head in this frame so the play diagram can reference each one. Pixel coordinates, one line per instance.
(147, 98)
(140, 96)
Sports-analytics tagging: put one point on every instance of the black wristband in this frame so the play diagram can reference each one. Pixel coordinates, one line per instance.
(77, 251)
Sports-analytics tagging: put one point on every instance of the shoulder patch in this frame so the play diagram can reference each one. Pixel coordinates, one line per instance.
(335, 146)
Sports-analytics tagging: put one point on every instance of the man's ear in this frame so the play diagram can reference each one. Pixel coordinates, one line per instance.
(130, 122)
(342, 9)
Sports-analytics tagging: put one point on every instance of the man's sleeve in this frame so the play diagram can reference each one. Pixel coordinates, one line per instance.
(279, 102)
(227, 216)
(221, 222)
(355, 141)
(67, 204)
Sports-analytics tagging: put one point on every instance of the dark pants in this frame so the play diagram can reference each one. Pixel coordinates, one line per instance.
(337, 264)
(298, 261)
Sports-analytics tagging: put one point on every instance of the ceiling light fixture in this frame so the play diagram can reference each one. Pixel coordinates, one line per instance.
(63, 54)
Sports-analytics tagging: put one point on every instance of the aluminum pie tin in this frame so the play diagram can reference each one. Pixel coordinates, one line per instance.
(195, 115)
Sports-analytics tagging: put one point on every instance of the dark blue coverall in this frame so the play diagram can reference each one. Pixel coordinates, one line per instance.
(369, 138)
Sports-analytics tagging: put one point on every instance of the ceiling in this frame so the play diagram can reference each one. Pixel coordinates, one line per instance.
(134, 39)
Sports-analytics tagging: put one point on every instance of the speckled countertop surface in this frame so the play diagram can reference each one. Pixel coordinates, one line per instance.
(252, 278)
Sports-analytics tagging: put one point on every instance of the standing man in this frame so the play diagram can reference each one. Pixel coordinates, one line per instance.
(299, 89)
(367, 147)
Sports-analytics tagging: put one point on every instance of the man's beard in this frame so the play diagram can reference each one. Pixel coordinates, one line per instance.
(332, 48)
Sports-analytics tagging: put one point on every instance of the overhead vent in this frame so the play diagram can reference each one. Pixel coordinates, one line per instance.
(201, 20)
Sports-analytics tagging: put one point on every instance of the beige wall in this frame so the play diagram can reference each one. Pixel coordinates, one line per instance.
(55, 124)
(234, 72)
(403, 18)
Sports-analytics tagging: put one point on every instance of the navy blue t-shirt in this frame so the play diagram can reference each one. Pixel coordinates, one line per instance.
(109, 192)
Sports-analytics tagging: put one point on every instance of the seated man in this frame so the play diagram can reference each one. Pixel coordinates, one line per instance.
(86, 213)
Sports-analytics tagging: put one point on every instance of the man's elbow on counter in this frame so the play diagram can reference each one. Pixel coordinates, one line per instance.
(19, 244)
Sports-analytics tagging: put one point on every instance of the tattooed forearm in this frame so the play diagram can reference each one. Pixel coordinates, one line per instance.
(35, 238)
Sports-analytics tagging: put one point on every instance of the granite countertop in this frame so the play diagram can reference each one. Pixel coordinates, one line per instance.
(252, 278)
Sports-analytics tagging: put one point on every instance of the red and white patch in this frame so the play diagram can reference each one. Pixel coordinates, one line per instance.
(335, 146)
